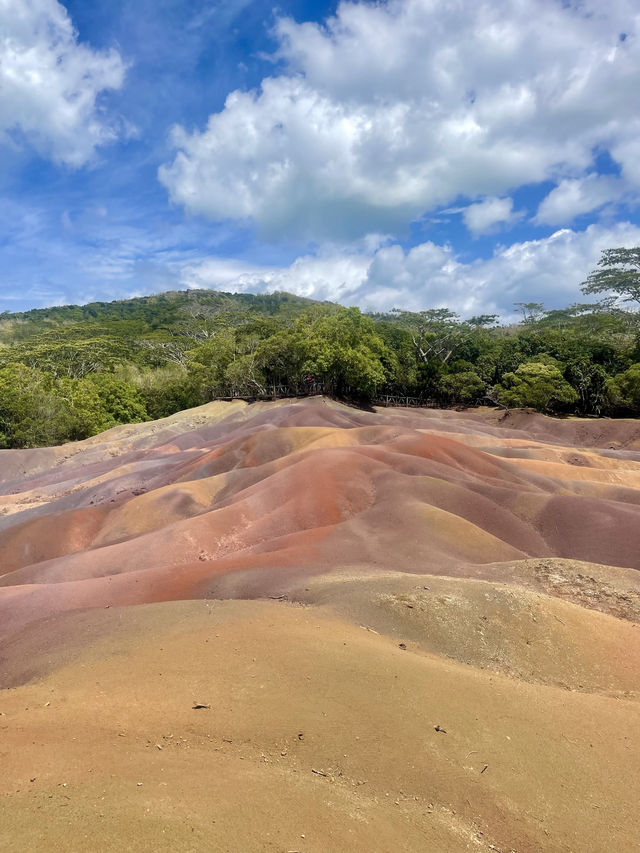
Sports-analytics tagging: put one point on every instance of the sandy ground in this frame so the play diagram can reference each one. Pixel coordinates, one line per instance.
(412, 630)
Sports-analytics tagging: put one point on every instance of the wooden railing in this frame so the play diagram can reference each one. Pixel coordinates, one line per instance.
(407, 402)
(276, 392)
(279, 392)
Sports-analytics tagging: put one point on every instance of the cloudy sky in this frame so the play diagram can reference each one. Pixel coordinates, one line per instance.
(409, 153)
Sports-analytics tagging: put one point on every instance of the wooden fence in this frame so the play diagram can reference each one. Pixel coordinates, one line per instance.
(279, 392)
(276, 392)
(407, 402)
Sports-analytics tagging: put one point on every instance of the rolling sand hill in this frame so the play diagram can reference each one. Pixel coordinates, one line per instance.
(408, 630)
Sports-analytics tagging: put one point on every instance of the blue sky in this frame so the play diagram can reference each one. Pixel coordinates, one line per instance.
(413, 154)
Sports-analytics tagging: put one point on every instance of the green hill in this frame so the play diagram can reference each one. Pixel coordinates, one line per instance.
(71, 371)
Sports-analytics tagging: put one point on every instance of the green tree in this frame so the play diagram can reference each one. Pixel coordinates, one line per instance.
(120, 401)
(403, 374)
(436, 333)
(345, 351)
(538, 384)
(465, 387)
(164, 390)
(531, 311)
(207, 363)
(283, 356)
(31, 413)
(85, 410)
(618, 272)
(590, 382)
(244, 377)
(624, 389)
(483, 320)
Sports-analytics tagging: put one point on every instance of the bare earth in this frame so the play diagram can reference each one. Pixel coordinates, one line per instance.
(410, 630)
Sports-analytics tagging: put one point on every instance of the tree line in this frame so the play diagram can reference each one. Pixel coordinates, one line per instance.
(70, 372)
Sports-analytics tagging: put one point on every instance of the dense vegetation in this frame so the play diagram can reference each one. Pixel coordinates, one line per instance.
(70, 372)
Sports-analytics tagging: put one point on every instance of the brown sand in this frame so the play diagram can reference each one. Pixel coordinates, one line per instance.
(417, 569)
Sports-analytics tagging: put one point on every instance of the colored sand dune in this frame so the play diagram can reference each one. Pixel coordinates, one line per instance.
(338, 586)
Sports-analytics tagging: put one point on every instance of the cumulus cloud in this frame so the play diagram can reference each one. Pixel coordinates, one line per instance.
(429, 275)
(551, 269)
(50, 83)
(389, 110)
(333, 276)
(488, 215)
(573, 197)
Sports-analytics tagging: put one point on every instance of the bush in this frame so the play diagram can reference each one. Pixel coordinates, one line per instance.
(167, 390)
(538, 384)
(623, 390)
(32, 414)
(120, 401)
(466, 387)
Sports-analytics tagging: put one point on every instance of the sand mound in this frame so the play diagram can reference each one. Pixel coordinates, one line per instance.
(460, 570)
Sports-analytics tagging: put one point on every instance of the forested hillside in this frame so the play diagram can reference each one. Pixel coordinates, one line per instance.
(70, 372)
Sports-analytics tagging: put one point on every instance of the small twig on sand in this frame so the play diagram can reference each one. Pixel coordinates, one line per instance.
(483, 769)
(318, 772)
(557, 618)
(473, 752)
(198, 705)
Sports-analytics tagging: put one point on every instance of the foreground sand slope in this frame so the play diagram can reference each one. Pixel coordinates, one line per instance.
(442, 652)
(320, 736)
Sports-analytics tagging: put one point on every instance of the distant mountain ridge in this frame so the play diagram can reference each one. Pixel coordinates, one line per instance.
(154, 310)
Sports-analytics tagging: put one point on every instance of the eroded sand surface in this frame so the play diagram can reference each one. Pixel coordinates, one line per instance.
(413, 630)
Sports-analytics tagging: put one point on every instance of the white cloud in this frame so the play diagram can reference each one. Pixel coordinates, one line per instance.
(486, 216)
(334, 276)
(50, 83)
(393, 109)
(573, 197)
(550, 270)
(426, 276)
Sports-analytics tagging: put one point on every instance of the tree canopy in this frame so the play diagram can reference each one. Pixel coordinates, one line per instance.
(70, 372)
(618, 272)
